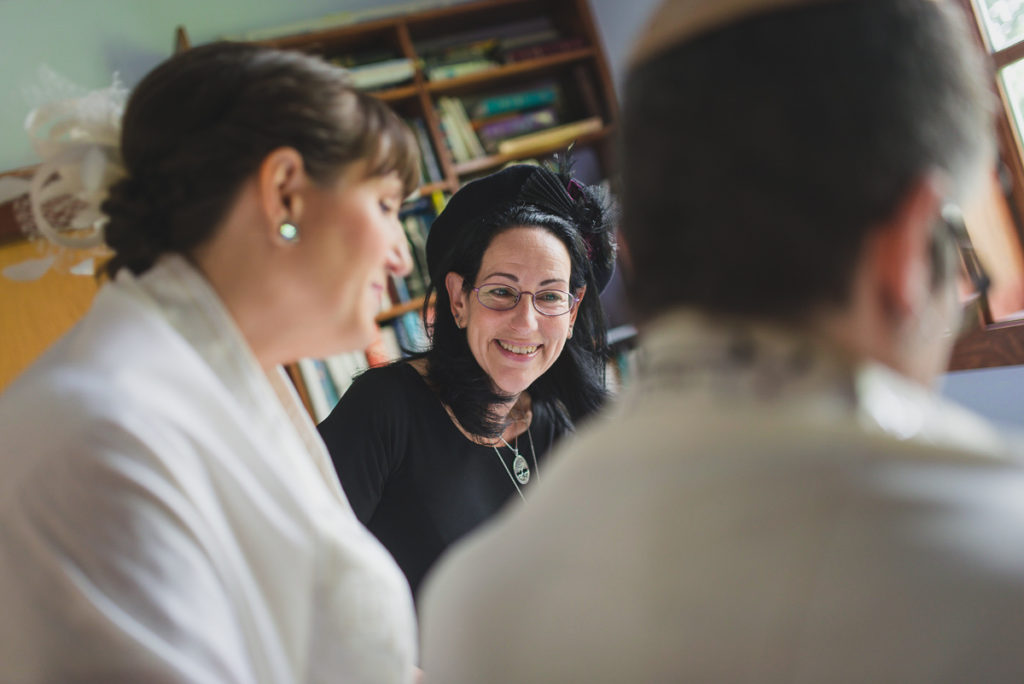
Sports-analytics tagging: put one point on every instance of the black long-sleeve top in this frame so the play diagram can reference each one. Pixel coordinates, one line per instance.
(410, 474)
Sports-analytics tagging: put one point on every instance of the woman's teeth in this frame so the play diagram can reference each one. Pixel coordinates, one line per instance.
(515, 349)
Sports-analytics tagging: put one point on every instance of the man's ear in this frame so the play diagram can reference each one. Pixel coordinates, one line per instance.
(282, 175)
(899, 249)
(453, 282)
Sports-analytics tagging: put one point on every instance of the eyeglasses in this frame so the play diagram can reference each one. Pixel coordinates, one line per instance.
(499, 297)
(972, 281)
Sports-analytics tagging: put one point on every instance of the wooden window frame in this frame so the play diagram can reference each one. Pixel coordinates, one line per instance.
(998, 343)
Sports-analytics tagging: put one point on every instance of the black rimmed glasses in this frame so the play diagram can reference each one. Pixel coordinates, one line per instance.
(499, 297)
(972, 281)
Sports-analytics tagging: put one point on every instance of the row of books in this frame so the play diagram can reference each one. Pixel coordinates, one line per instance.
(515, 123)
(326, 380)
(430, 167)
(416, 218)
(376, 69)
(468, 52)
(458, 54)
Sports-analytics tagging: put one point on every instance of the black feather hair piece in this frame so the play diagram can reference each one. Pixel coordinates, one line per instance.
(586, 207)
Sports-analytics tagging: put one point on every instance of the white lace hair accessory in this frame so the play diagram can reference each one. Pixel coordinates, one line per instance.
(77, 137)
(78, 140)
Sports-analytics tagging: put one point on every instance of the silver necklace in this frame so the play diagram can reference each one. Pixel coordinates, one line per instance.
(520, 467)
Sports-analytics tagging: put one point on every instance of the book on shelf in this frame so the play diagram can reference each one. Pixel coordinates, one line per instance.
(450, 52)
(477, 38)
(542, 49)
(455, 142)
(417, 331)
(412, 336)
(429, 166)
(515, 101)
(438, 200)
(323, 395)
(361, 57)
(456, 111)
(384, 349)
(443, 72)
(550, 137)
(493, 130)
(398, 289)
(378, 75)
(416, 226)
(344, 367)
(416, 219)
(540, 33)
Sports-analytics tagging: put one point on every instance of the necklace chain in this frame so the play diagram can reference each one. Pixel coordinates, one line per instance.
(515, 452)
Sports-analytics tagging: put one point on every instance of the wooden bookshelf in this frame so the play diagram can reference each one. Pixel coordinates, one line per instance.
(576, 70)
(582, 73)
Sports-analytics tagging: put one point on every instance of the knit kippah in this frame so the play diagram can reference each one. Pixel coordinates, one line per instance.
(677, 21)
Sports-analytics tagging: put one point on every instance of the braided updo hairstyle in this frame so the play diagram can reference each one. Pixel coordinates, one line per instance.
(201, 123)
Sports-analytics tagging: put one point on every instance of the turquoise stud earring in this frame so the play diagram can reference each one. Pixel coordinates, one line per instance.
(289, 232)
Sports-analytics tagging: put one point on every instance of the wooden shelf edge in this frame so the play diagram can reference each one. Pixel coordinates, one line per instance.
(999, 344)
(428, 188)
(397, 310)
(496, 160)
(459, 8)
(405, 92)
(503, 71)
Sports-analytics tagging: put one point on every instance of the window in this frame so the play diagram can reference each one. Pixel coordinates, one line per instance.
(994, 220)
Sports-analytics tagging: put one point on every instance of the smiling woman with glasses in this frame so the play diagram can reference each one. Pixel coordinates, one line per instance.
(430, 447)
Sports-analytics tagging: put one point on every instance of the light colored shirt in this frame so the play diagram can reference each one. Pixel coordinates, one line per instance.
(168, 512)
(753, 509)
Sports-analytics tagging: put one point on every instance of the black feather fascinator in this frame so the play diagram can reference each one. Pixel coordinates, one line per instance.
(555, 192)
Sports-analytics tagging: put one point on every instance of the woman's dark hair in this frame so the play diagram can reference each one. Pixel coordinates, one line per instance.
(202, 122)
(574, 386)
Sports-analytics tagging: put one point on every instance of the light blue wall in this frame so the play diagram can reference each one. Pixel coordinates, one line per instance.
(87, 40)
(618, 21)
(997, 393)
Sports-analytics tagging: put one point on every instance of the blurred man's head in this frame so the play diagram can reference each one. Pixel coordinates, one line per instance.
(787, 160)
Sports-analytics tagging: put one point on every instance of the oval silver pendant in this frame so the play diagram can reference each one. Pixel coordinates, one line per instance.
(521, 468)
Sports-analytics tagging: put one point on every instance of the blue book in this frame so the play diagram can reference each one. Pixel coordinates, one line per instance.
(324, 375)
(414, 331)
(512, 102)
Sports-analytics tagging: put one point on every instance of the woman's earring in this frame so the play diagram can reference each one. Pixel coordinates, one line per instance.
(289, 232)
